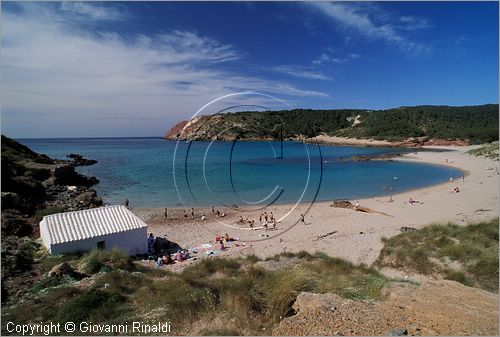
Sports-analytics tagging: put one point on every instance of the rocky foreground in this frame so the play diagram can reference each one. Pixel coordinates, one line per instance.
(432, 308)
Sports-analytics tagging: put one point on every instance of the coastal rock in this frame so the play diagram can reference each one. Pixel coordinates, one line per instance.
(342, 204)
(10, 200)
(66, 175)
(78, 160)
(13, 223)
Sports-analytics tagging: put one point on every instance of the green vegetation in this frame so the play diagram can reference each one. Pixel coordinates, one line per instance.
(248, 295)
(101, 260)
(488, 150)
(477, 124)
(466, 254)
(218, 295)
(40, 213)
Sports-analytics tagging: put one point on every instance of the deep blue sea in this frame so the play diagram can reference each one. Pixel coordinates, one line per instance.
(153, 172)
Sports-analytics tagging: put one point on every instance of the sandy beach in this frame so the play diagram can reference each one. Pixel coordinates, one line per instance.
(345, 233)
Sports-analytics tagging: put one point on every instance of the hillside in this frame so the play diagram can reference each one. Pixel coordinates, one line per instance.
(472, 124)
(34, 185)
(287, 294)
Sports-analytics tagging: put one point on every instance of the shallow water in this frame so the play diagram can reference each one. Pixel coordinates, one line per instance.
(153, 172)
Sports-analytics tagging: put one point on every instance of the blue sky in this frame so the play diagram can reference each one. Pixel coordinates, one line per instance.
(76, 69)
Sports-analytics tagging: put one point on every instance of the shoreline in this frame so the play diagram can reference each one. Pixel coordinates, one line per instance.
(354, 236)
(410, 143)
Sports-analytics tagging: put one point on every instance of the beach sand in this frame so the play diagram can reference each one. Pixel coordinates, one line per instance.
(354, 236)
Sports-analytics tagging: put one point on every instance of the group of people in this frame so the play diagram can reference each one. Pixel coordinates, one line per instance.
(269, 220)
(251, 223)
(192, 214)
(220, 241)
(164, 258)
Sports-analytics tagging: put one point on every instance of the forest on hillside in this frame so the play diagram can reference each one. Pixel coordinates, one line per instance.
(477, 124)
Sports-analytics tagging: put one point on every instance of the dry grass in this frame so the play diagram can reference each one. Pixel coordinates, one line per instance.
(474, 248)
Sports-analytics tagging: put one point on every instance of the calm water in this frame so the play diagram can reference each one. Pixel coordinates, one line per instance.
(146, 171)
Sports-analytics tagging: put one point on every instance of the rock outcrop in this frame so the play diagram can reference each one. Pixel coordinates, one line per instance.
(34, 182)
(433, 308)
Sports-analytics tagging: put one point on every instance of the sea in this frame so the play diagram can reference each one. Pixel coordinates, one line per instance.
(154, 172)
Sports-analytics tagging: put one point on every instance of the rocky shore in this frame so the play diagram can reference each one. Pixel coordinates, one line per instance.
(34, 185)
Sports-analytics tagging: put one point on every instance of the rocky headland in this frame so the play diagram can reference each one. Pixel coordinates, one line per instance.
(34, 185)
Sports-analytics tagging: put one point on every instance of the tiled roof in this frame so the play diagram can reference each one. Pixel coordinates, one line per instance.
(80, 225)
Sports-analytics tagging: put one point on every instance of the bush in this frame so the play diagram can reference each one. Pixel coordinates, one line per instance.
(95, 305)
(105, 260)
(40, 213)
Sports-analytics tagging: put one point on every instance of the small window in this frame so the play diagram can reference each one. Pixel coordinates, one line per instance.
(101, 244)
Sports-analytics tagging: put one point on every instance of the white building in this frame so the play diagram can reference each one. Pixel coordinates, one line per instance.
(104, 227)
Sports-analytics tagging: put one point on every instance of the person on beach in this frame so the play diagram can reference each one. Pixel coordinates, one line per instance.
(252, 223)
(356, 206)
(192, 212)
(265, 225)
(213, 209)
(126, 202)
(265, 217)
(463, 178)
(185, 214)
(411, 201)
(166, 213)
(166, 259)
(151, 243)
(218, 213)
(271, 217)
(221, 245)
(241, 219)
(228, 238)
(302, 219)
(260, 217)
(456, 190)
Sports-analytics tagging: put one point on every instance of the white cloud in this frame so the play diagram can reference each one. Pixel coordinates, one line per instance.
(413, 23)
(329, 57)
(59, 80)
(89, 11)
(361, 18)
(302, 72)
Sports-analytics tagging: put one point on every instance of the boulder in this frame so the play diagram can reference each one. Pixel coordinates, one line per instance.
(66, 175)
(10, 200)
(64, 269)
(14, 224)
(89, 198)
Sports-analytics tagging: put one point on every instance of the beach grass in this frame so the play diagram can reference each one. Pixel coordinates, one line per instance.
(489, 150)
(215, 296)
(466, 254)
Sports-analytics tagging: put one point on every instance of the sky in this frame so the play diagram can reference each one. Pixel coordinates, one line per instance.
(122, 69)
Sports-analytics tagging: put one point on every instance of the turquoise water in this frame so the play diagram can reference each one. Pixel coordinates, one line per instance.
(152, 172)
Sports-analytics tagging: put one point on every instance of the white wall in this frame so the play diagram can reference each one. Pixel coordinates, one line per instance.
(131, 241)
